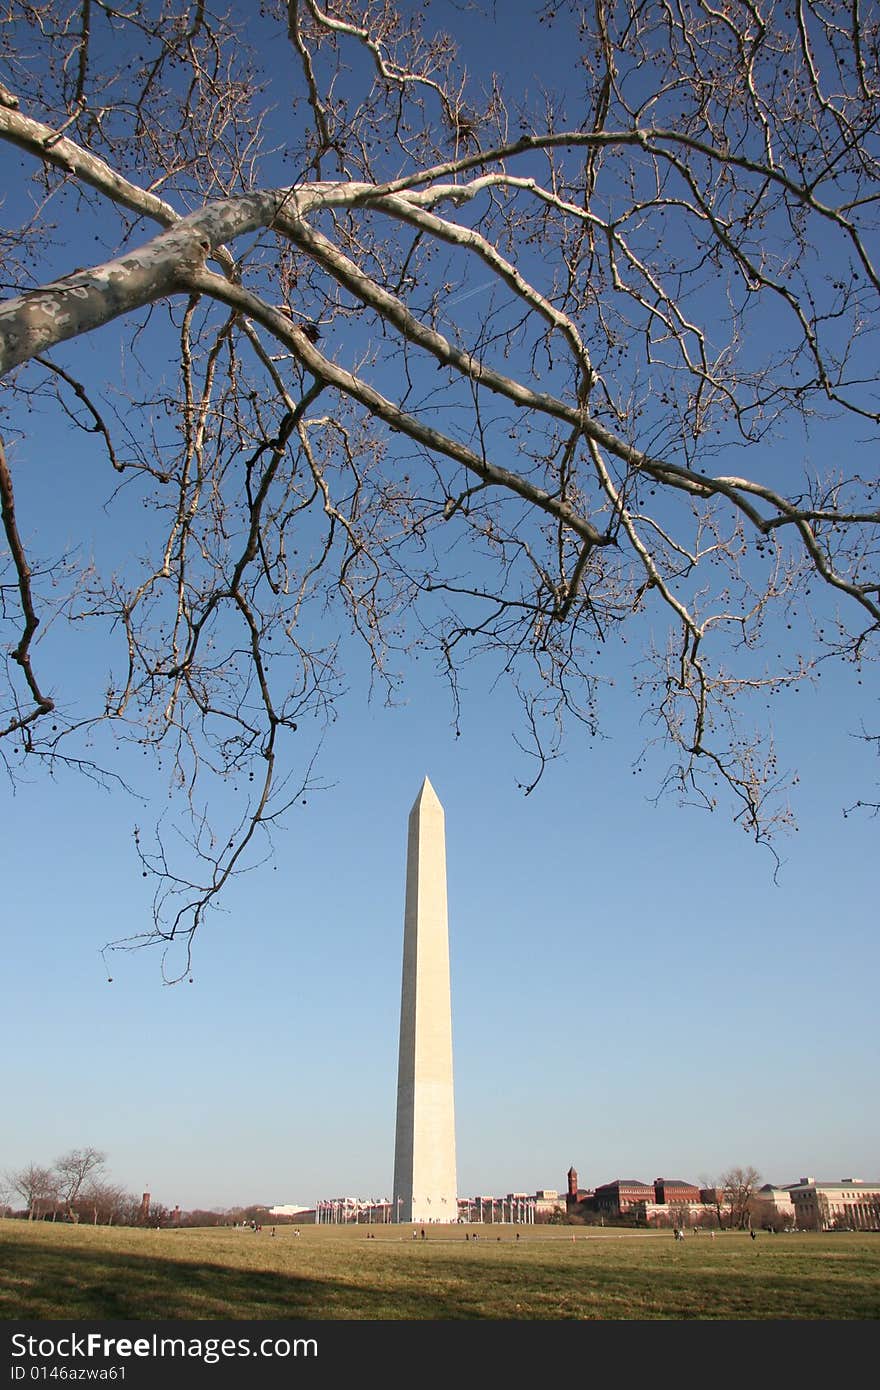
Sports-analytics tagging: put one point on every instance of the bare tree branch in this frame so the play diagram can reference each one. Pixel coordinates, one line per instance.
(409, 357)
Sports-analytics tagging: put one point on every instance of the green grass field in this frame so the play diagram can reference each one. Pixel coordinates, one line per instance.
(61, 1271)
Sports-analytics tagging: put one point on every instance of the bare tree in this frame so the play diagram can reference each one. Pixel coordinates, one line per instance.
(739, 1186)
(102, 1202)
(444, 365)
(37, 1187)
(73, 1170)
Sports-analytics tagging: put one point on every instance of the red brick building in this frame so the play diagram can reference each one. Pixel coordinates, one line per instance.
(578, 1199)
(622, 1196)
(669, 1190)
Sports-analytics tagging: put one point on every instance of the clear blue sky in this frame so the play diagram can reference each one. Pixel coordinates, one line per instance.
(634, 992)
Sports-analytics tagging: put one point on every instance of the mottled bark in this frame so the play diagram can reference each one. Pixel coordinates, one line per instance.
(87, 299)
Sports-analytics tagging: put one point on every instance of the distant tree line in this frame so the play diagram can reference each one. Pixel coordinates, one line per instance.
(78, 1188)
(75, 1188)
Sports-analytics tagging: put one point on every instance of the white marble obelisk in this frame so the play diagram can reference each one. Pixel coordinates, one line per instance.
(424, 1151)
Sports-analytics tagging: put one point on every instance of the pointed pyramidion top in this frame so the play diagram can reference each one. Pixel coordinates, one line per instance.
(426, 797)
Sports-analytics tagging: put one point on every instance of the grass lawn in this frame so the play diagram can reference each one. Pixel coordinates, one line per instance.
(60, 1271)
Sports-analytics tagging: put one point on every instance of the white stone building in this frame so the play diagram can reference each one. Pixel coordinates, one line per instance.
(851, 1204)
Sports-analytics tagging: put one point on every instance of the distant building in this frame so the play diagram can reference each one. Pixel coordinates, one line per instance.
(548, 1202)
(851, 1204)
(665, 1202)
(623, 1196)
(673, 1191)
(578, 1200)
(775, 1202)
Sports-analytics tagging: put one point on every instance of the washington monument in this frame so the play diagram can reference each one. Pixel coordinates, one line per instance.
(424, 1152)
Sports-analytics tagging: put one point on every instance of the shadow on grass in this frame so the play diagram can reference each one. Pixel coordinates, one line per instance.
(80, 1281)
(78, 1284)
